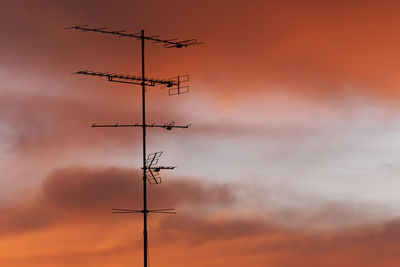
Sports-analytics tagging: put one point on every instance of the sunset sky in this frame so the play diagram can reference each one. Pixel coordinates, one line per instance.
(292, 159)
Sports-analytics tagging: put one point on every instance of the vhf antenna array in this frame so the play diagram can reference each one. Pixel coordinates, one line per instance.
(176, 85)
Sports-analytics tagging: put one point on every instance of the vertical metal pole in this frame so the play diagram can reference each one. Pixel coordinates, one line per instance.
(145, 245)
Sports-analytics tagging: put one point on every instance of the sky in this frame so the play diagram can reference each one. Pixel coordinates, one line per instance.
(291, 158)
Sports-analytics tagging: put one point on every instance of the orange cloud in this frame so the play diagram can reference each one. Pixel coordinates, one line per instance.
(70, 223)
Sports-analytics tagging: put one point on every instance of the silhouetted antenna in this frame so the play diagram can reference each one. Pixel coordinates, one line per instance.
(168, 126)
(168, 211)
(153, 175)
(168, 43)
(176, 85)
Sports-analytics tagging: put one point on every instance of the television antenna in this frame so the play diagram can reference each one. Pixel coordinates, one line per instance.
(176, 85)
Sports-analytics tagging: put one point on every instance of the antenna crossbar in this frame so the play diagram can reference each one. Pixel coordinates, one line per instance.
(127, 211)
(167, 126)
(168, 43)
(113, 77)
(158, 168)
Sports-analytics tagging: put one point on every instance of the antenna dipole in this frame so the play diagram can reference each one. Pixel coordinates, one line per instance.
(176, 86)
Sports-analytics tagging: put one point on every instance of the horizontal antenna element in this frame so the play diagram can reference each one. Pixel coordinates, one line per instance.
(168, 43)
(174, 84)
(113, 77)
(167, 126)
(167, 211)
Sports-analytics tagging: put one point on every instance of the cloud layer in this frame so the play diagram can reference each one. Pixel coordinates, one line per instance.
(294, 108)
(70, 218)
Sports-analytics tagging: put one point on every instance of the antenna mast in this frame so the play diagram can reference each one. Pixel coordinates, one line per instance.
(176, 86)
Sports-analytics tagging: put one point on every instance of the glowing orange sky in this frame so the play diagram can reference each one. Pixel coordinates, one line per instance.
(292, 159)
